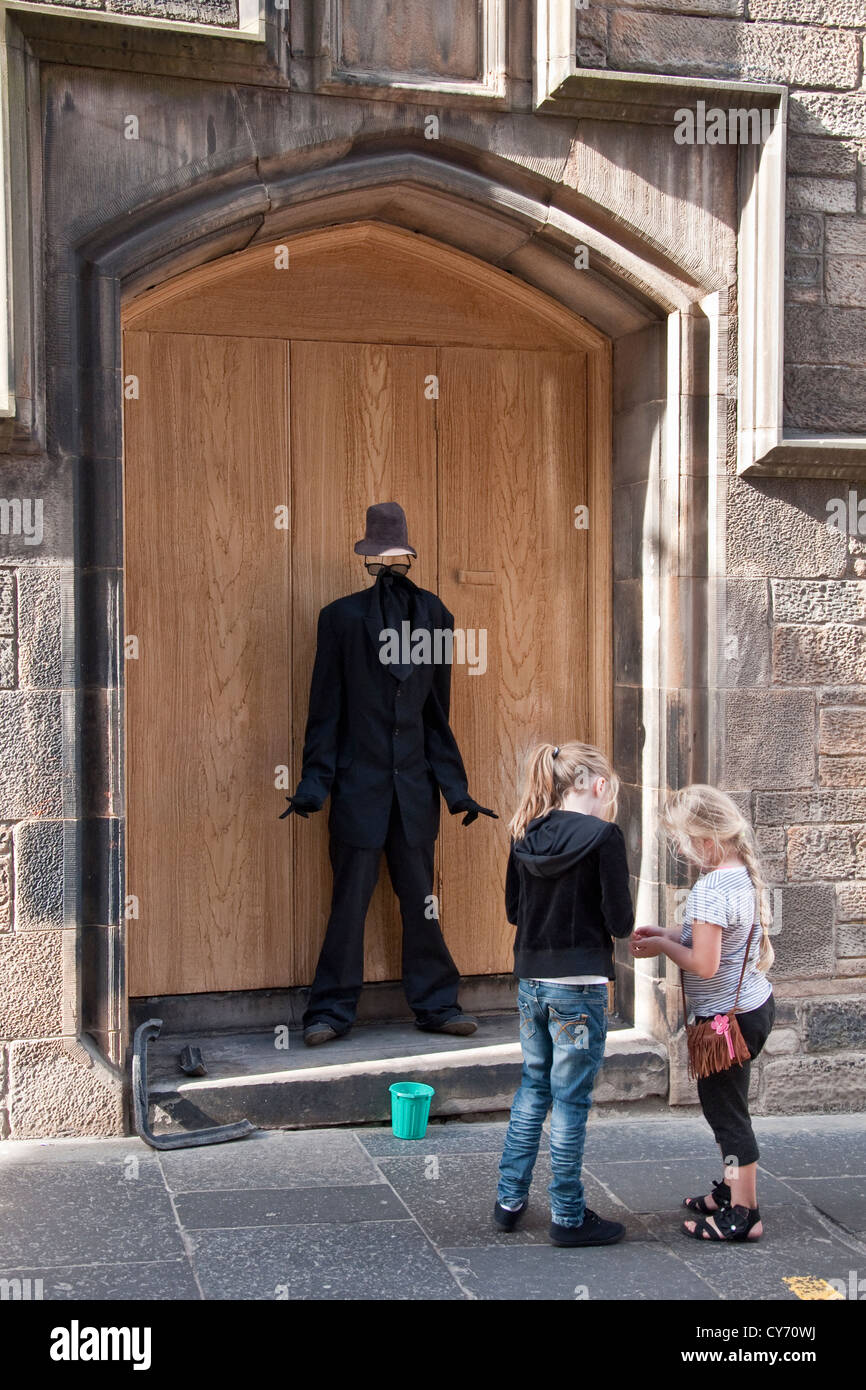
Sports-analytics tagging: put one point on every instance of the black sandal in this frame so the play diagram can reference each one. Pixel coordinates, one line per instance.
(721, 1195)
(734, 1223)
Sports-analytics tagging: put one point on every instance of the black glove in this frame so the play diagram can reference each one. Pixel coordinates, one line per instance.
(472, 809)
(301, 806)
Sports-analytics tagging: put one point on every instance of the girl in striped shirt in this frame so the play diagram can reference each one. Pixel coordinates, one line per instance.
(730, 897)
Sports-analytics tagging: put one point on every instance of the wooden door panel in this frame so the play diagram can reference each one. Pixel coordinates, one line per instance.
(512, 467)
(207, 701)
(362, 432)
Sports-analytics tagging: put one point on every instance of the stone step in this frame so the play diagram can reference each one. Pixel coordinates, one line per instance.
(276, 1082)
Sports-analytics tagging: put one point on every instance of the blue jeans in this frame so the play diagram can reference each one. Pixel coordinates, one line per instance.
(562, 1033)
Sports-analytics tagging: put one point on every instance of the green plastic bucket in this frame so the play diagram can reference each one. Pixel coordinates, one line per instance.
(410, 1108)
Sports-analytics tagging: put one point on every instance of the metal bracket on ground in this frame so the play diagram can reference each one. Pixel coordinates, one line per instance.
(216, 1134)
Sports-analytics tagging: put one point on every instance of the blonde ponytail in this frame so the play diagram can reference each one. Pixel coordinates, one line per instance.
(552, 772)
(747, 850)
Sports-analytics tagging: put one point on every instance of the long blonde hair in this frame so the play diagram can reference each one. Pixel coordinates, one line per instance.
(549, 779)
(699, 812)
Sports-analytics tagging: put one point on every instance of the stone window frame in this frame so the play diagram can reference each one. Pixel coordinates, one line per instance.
(7, 383)
(764, 447)
(491, 86)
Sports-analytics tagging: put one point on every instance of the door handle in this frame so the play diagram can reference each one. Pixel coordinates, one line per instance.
(476, 576)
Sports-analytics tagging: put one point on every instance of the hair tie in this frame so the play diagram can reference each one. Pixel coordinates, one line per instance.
(556, 750)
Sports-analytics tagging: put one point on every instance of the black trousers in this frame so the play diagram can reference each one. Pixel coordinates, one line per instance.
(724, 1095)
(430, 977)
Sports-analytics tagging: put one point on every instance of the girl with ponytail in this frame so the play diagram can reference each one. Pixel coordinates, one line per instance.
(567, 893)
(724, 951)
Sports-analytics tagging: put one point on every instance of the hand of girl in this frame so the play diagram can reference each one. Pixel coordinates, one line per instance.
(642, 932)
(647, 946)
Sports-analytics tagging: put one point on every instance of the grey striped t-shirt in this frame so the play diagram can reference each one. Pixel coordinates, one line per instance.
(726, 897)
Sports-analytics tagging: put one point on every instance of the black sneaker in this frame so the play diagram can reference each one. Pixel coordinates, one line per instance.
(506, 1220)
(317, 1033)
(593, 1230)
(460, 1025)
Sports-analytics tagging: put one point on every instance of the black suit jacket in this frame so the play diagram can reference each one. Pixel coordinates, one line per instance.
(369, 735)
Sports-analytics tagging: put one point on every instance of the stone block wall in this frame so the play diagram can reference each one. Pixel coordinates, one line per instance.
(795, 740)
(48, 1081)
(816, 49)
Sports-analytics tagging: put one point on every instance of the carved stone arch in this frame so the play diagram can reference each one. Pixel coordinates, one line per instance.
(668, 335)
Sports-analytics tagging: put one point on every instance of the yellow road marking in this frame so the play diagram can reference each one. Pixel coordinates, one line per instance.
(806, 1286)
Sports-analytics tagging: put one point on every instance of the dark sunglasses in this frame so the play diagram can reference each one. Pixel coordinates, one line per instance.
(378, 567)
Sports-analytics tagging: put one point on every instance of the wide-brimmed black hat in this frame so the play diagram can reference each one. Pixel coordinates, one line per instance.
(386, 530)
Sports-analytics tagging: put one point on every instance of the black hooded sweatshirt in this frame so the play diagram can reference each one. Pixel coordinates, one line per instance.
(567, 893)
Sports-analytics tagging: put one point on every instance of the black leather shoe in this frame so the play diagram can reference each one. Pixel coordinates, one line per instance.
(591, 1231)
(506, 1220)
(460, 1025)
(318, 1033)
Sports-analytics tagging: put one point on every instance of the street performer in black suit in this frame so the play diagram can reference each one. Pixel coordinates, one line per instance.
(378, 740)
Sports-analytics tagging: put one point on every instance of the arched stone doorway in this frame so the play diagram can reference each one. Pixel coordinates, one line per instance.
(317, 374)
(668, 327)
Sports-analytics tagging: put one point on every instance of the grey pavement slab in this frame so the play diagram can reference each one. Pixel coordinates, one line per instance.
(152, 1280)
(97, 1155)
(796, 1242)
(841, 1199)
(382, 1260)
(453, 1202)
(272, 1158)
(547, 1272)
(459, 1137)
(216, 1209)
(633, 1139)
(357, 1214)
(659, 1184)
(56, 1213)
(812, 1145)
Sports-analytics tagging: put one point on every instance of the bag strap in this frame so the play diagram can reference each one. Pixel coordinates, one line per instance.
(739, 984)
(683, 993)
(743, 971)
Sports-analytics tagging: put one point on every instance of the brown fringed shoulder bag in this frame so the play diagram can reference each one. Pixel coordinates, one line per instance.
(718, 1043)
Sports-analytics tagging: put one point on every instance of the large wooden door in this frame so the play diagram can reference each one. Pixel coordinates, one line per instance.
(513, 568)
(366, 433)
(207, 674)
(483, 410)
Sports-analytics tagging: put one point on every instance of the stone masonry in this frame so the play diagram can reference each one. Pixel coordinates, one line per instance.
(789, 677)
(802, 709)
(48, 1084)
(816, 49)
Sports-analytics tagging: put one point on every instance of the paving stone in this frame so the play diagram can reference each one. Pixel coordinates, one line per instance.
(300, 1158)
(293, 1215)
(216, 1210)
(102, 1157)
(673, 1137)
(821, 1146)
(840, 1199)
(795, 1242)
(439, 1139)
(659, 1184)
(531, 1272)
(456, 1208)
(377, 1260)
(155, 1280)
(76, 1214)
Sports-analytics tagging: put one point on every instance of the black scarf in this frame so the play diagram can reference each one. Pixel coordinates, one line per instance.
(396, 605)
